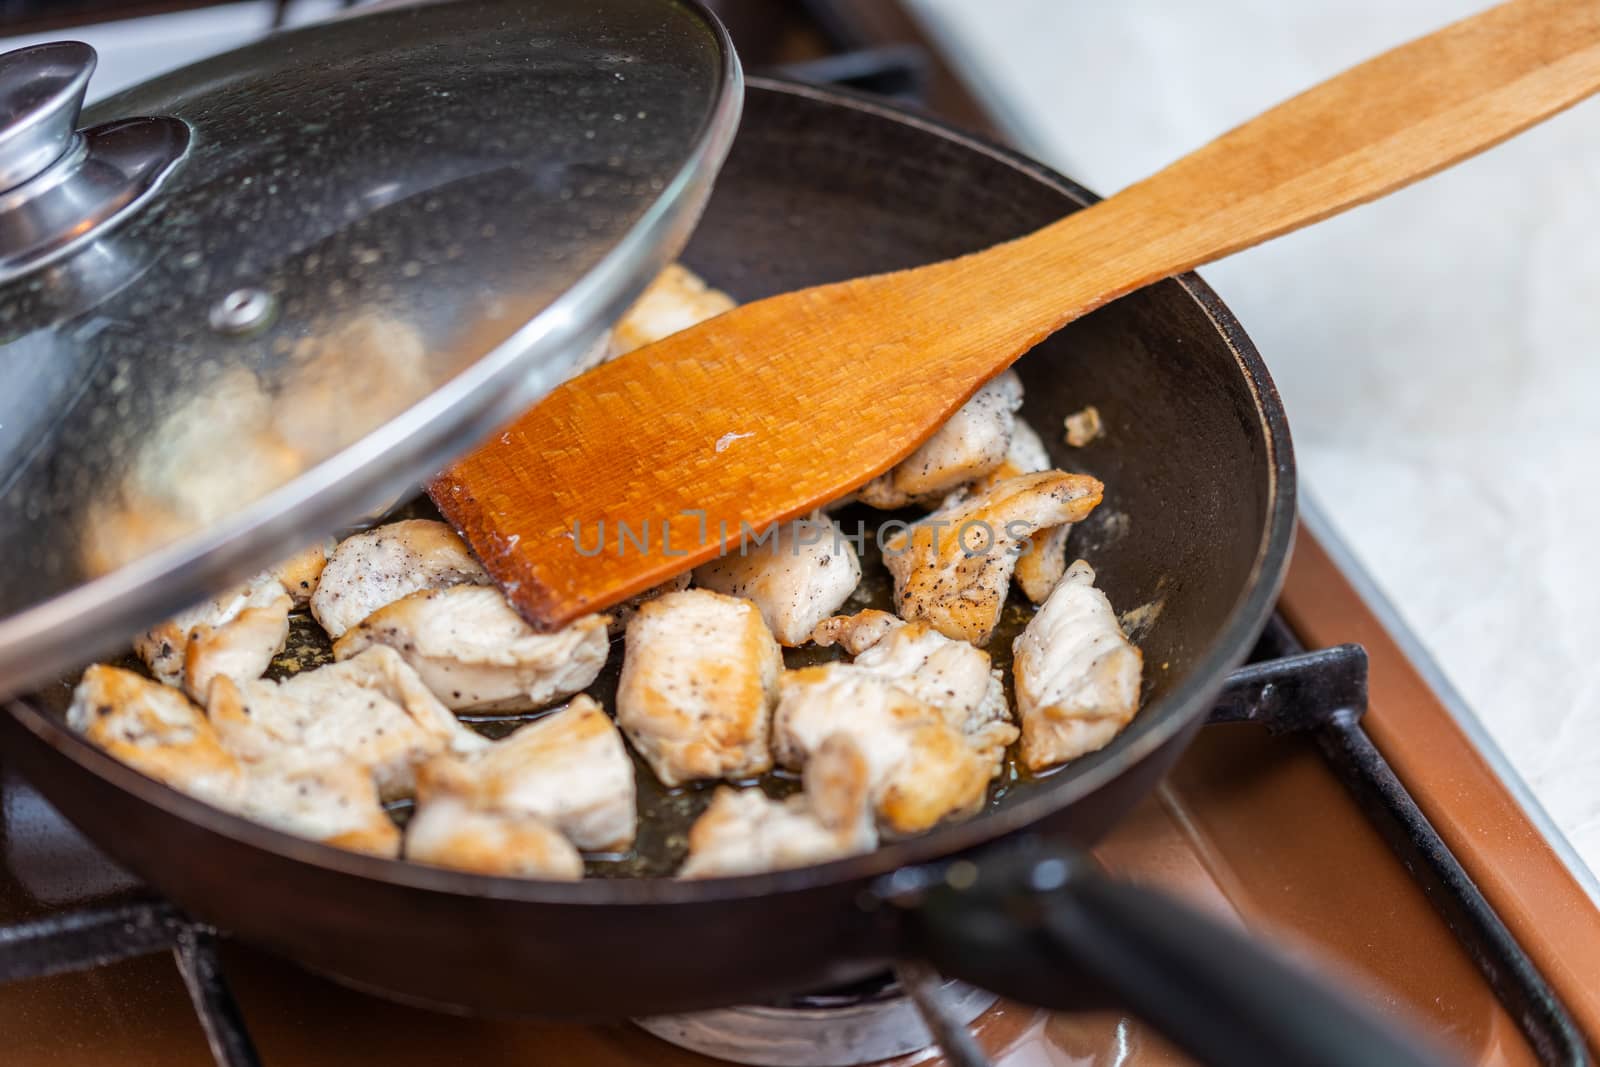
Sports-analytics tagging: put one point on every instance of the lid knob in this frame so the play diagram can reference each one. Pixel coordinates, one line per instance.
(61, 188)
(41, 92)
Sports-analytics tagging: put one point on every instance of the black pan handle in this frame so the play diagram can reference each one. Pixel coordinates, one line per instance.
(1044, 925)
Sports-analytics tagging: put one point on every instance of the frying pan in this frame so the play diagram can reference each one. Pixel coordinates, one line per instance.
(1200, 493)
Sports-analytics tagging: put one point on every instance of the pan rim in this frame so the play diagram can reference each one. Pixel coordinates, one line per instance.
(1172, 713)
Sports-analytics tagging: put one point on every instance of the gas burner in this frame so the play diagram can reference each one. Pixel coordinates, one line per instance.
(867, 1022)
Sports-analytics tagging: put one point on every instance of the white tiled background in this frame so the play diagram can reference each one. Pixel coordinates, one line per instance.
(1437, 350)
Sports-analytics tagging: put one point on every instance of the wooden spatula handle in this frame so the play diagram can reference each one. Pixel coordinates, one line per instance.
(1386, 123)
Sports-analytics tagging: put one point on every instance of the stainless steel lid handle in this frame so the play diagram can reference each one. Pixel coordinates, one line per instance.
(41, 92)
(61, 188)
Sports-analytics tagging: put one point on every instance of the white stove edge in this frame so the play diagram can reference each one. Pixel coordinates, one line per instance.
(1316, 521)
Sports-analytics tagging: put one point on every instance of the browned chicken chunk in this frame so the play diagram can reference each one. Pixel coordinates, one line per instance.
(158, 731)
(569, 769)
(744, 832)
(953, 568)
(1042, 563)
(372, 709)
(237, 633)
(448, 833)
(972, 443)
(326, 798)
(300, 573)
(1077, 676)
(800, 574)
(381, 565)
(953, 676)
(928, 714)
(699, 677)
(475, 652)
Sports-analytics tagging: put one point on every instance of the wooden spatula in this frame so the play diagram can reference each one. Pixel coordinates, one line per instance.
(772, 409)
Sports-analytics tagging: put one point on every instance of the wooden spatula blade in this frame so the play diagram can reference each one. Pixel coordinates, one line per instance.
(648, 465)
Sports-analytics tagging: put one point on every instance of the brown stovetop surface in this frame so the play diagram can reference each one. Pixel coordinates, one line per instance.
(1251, 826)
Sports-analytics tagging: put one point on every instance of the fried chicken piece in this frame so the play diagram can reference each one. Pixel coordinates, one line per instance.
(300, 573)
(381, 565)
(699, 677)
(927, 713)
(448, 833)
(1027, 455)
(971, 443)
(1044, 561)
(371, 709)
(1041, 566)
(475, 652)
(569, 768)
(622, 614)
(241, 645)
(744, 832)
(235, 634)
(798, 576)
(921, 769)
(953, 676)
(1077, 675)
(1083, 426)
(157, 731)
(856, 633)
(953, 568)
(325, 798)
(676, 300)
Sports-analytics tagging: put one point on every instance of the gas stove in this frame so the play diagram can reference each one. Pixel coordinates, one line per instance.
(1334, 806)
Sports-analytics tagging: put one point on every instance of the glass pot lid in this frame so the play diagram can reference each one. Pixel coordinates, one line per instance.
(250, 301)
